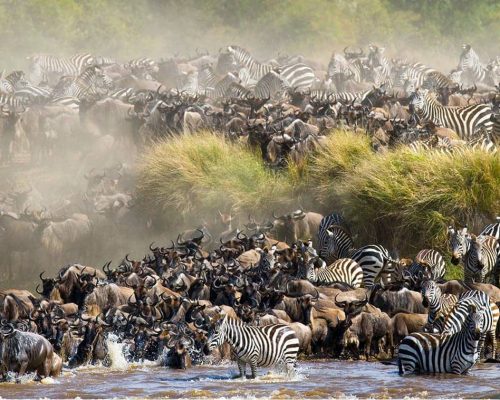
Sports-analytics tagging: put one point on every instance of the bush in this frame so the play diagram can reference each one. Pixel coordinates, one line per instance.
(402, 199)
(204, 173)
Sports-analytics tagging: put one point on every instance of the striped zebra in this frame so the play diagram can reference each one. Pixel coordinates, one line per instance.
(142, 64)
(379, 64)
(440, 305)
(297, 75)
(33, 94)
(207, 79)
(374, 260)
(122, 94)
(430, 263)
(483, 143)
(479, 255)
(259, 346)
(495, 131)
(473, 71)
(11, 101)
(90, 83)
(454, 321)
(10, 83)
(334, 239)
(437, 353)
(341, 70)
(343, 270)
(65, 101)
(266, 261)
(422, 76)
(42, 65)
(467, 121)
(492, 230)
(271, 85)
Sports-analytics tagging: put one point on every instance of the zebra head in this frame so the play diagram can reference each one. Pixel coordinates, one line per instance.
(218, 335)
(417, 100)
(430, 293)
(459, 243)
(468, 58)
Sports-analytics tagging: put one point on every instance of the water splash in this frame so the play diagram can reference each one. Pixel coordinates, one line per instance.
(116, 353)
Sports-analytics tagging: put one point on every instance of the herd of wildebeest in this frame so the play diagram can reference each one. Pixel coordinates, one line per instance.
(257, 292)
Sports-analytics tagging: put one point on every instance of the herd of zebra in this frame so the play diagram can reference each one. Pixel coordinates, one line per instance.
(285, 105)
(256, 299)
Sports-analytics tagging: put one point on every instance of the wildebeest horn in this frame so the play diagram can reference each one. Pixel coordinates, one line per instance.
(151, 248)
(340, 304)
(37, 286)
(41, 276)
(127, 259)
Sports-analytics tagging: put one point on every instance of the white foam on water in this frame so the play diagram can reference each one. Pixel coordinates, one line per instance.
(116, 353)
(48, 381)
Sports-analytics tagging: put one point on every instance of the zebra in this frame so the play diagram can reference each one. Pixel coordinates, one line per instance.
(89, 83)
(374, 260)
(379, 64)
(483, 143)
(473, 71)
(334, 239)
(492, 230)
(270, 85)
(430, 263)
(41, 65)
(495, 131)
(207, 79)
(465, 121)
(11, 101)
(259, 346)
(344, 270)
(33, 94)
(297, 75)
(479, 254)
(422, 76)
(439, 304)
(266, 261)
(454, 321)
(340, 70)
(122, 94)
(65, 101)
(437, 353)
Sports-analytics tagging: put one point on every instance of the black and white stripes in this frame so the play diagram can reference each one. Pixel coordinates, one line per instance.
(467, 121)
(435, 353)
(341, 271)
(259, 346)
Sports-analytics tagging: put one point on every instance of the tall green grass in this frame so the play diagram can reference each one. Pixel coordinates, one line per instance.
(402, 199)
(205, 173)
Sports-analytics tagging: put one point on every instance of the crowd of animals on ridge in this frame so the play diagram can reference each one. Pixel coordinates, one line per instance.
(98, 114)
(261, 301)
(285, 105)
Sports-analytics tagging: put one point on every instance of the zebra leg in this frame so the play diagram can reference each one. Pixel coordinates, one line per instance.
(253, 367)
(242, 366)
(290, 367)
(492, 334)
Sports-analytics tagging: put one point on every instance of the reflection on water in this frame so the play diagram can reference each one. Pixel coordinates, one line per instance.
(316, 379)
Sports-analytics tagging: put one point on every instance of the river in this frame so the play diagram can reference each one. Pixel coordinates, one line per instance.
(314, 379)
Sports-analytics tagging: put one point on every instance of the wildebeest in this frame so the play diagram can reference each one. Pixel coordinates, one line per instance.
(24, 352)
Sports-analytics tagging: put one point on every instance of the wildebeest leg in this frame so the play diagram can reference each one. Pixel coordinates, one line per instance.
(368, 348)
(22, 369)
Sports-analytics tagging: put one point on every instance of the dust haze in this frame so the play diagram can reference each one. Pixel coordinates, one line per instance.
(56, 185)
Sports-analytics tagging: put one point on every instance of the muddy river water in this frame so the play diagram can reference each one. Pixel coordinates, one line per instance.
(314, 379)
